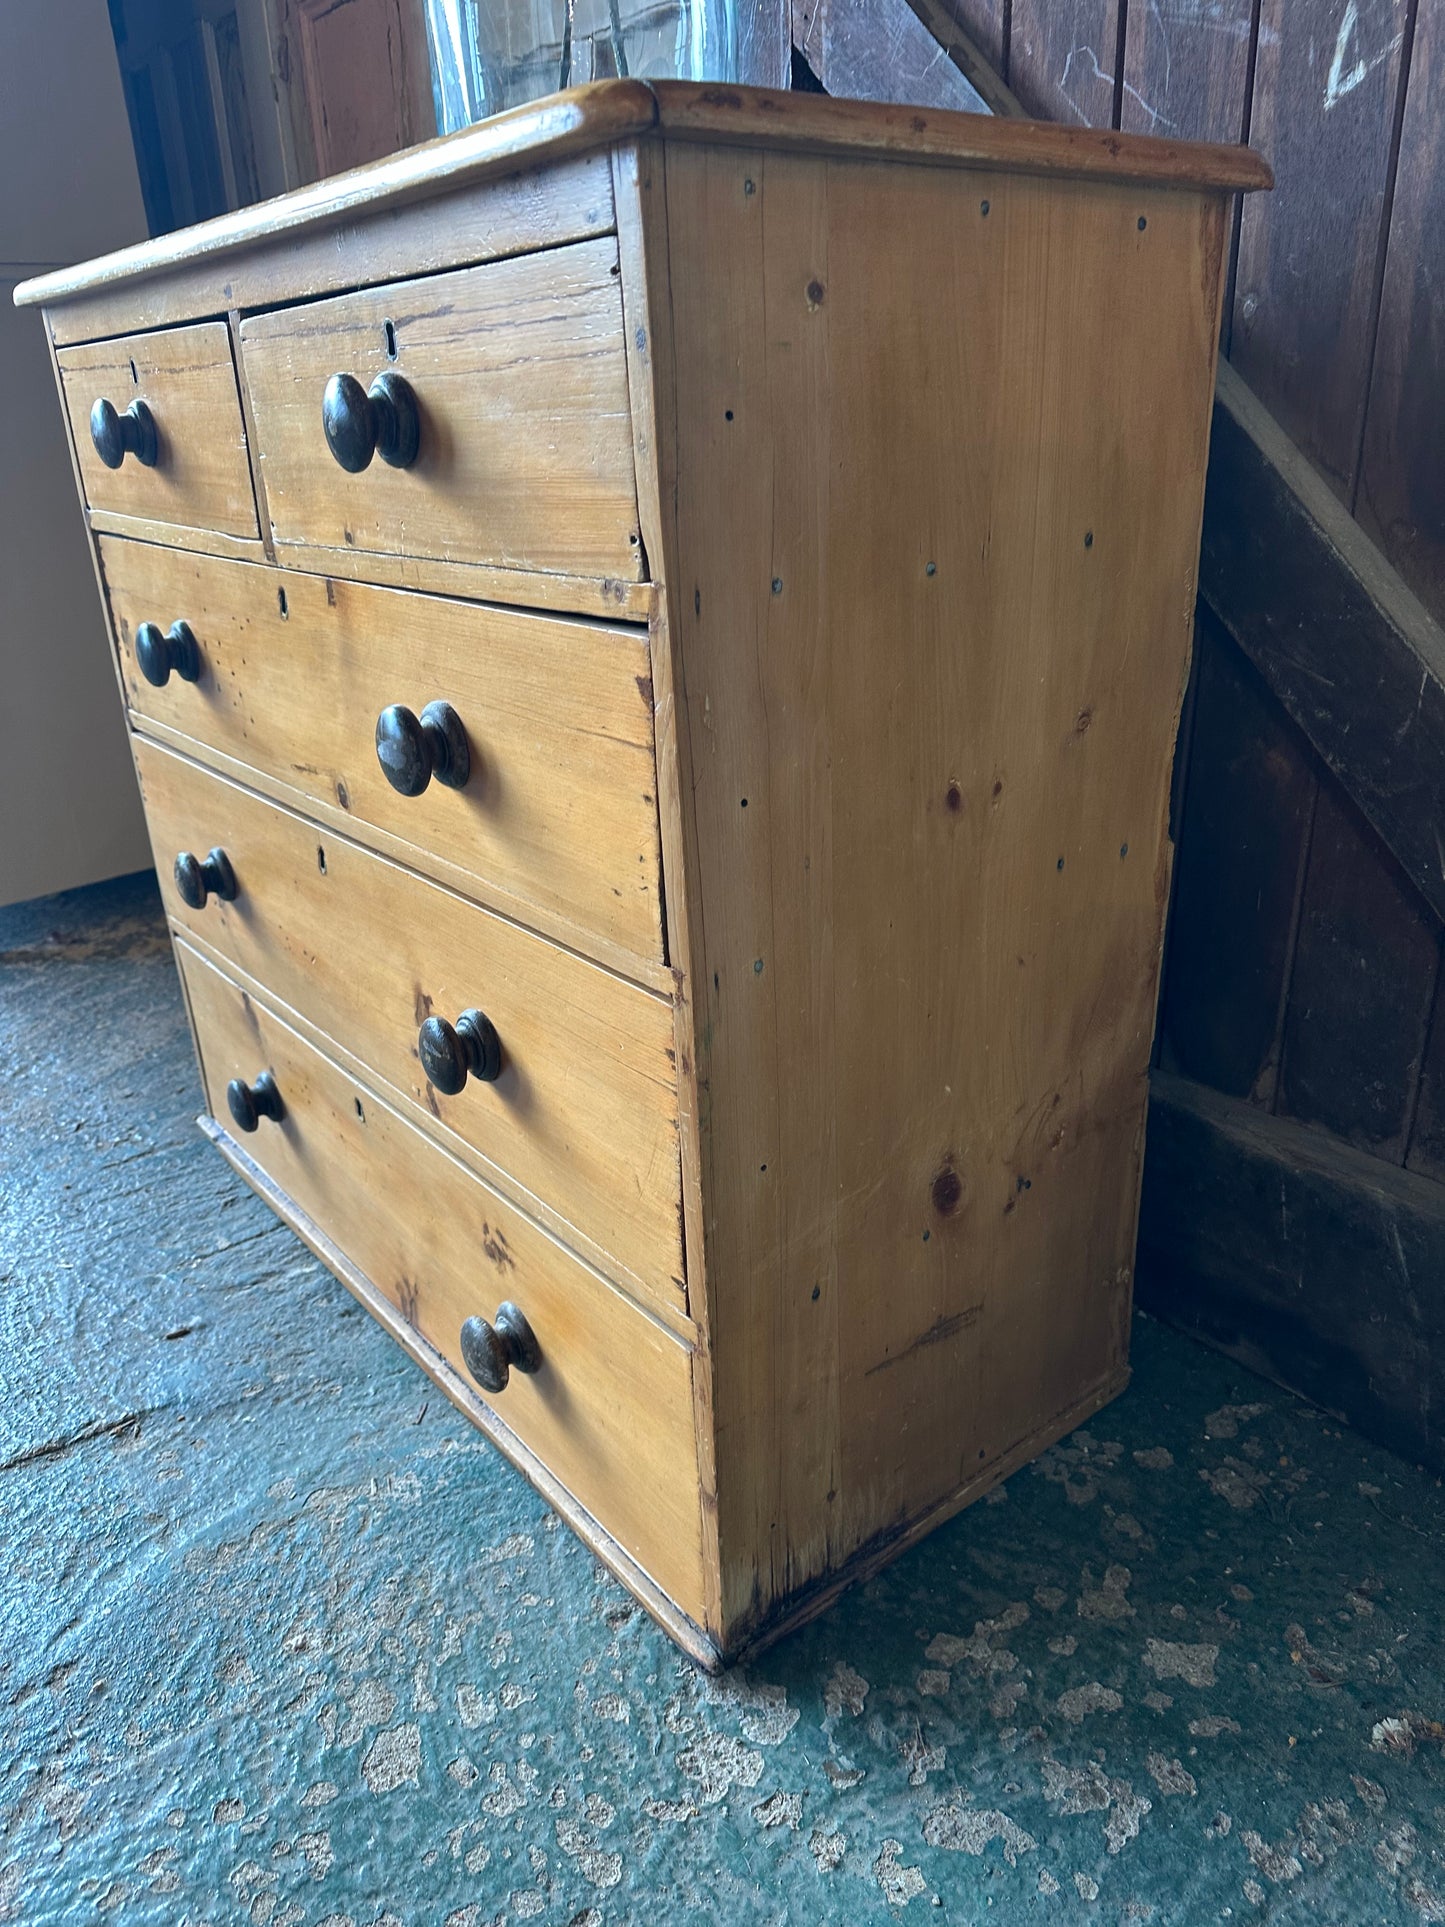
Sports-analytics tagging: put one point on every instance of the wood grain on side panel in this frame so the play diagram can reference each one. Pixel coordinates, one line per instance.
(929, 675)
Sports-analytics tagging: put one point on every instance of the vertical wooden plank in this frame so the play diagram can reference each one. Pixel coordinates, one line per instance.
(1062, 58)
(1326, 81)
(1401, 497)
(1245, 824)
(1185, 69)
(1364, 980)
(1427, 1137)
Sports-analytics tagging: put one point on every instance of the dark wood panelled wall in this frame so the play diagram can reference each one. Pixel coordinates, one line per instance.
(1300, 1056)
(1335, 313)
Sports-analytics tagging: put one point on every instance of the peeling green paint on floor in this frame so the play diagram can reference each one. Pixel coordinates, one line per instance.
(282, 1640)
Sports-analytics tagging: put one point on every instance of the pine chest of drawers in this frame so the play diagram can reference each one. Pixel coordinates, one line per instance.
(652, 633)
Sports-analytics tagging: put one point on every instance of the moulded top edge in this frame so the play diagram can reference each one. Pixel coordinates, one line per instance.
(609, 112)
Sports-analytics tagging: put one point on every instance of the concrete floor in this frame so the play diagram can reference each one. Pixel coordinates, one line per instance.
(282, 1640)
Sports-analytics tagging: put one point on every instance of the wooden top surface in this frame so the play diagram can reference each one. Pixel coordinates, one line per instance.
(611, 111)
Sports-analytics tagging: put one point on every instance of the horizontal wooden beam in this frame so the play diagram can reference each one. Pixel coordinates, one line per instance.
(1353, 657)
(1310, 1262)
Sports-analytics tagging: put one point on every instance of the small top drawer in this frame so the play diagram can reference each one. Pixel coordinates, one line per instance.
(479, 416)
(169, 443)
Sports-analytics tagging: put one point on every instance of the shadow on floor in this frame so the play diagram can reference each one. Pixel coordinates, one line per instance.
(286, 1642)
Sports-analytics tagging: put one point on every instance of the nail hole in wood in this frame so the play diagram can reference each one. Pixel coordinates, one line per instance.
(321, 859)
(983, 208)
(359, 1112)
(281, 604)
(1088, 538)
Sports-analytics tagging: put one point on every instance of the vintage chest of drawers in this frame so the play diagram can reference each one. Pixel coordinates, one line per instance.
(653, 632)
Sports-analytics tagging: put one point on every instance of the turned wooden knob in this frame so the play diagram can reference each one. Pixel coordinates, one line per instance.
(249, 1103)
(490, 1351)
(449, 1056)
(414, 749)
(115, 435)
(197, 880)
(361, 422)
(157, 655)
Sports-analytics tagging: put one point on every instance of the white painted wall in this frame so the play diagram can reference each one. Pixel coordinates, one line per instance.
(69, 812)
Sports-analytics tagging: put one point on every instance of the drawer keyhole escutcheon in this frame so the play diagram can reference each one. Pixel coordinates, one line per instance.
(197, 880)
(361, 422)
(450, 1055)
(490, 1351)
(249, 1103)
(413, 749)
(115, 436)
(157, 655)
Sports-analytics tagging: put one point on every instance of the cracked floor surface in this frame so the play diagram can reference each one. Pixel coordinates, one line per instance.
(286, 1642)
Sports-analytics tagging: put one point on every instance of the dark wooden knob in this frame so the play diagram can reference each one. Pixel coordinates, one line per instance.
(157, 655)
(115, 435)
(490, 1351)
(414, 749)
(197, 880)
(449, 1056)
(361, 422)
(249, 1103)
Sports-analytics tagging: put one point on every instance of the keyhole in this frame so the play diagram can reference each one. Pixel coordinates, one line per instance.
(321, 859)
(390, 327)
(281, 604)
(135, 378)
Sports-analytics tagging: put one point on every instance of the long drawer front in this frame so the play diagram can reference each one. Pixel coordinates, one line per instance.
(609, 1411)
(289, 674)
(580, 1120)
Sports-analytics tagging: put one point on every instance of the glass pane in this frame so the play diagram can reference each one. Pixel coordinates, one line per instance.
(488, 55)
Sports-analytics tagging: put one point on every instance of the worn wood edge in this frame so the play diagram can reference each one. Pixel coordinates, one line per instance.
(761, 117)
(697, 1644)
(970, 60)
(598, 598)
(1336, 635)
(888, 1545)
(644, 973)
(1255, 1235)
(177, 535)
(248, 429)
(653, 1300)
(640, 201)
(482, 222)
(606, 112)
(524, 137)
